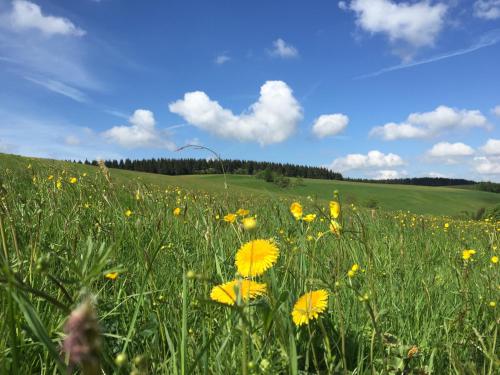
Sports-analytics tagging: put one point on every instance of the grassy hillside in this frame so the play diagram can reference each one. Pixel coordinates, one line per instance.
(132, 278)
(417, 199)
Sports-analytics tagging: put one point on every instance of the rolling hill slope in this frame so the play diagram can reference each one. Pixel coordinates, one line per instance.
(417, 199)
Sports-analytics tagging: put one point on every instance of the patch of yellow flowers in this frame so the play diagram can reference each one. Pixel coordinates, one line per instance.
(247, 222)
(253, 259)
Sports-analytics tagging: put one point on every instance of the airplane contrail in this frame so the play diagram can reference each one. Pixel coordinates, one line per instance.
(489, 39)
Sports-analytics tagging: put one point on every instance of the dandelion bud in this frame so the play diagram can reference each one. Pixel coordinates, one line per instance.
(82, 343)
(264, 365)
(121, 359)
(140, 361)
(42, 263)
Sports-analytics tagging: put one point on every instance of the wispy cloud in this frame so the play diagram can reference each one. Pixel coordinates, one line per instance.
(60, 88)
(283, 49)
(31, 135)
(486, 40)
(222, 59)
(47, 50)
(117, 113)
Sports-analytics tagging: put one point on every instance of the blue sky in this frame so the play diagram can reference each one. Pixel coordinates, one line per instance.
(372, 88)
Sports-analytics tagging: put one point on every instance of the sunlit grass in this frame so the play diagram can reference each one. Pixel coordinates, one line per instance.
(396, 290)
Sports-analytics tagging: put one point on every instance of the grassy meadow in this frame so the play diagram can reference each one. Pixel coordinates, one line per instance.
(115, 272)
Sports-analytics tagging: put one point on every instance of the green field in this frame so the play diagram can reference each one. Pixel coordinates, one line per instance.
(126, 274)
(450, 201)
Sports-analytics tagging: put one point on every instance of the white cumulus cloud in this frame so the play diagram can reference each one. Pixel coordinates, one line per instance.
(283, 49)
(373, 160)
(437, 175)
(417, 23)
(446, 149)
(487, 9)
(140, 133)
(329, 125)
(389, 174)
(28, 15)
(488, 165)
(272, 119)
(491, 147)
(431, 124)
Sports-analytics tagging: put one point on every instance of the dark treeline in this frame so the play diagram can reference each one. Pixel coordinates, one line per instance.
(423, 181)
(489, 186)
(213, 166)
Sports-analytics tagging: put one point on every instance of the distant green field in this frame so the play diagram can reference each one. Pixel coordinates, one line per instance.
(417, 199)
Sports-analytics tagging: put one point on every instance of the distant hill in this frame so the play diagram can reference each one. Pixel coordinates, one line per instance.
(465, 202)
(421, 181)
(190, 166)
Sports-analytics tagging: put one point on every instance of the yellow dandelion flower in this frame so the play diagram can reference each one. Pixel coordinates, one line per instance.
(50, 177)
(230, 218)
(247, 289)
(128, 213)
(334, 209)
(467, 254)
(494, 259)
(309, 217)
(242, 212)
(335, 227)
(255, 257)
(296, 210)
(111, 275)
(177, 211)
(59, 185)
(492, 304)
(309, 306)
(446, 225)
(354, 269)
(73, 180)
(249, 223)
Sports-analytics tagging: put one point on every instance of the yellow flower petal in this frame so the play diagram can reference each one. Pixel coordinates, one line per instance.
(335, 227)
(309, 218)
(227, 293)
(255, 257)
(111, 275)
(242, 212)
(296, 210)
(230, 218)
(334, 209)
(309, 306)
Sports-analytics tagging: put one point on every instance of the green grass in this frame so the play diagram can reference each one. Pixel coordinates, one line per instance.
(450, 201)
(413, 288)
